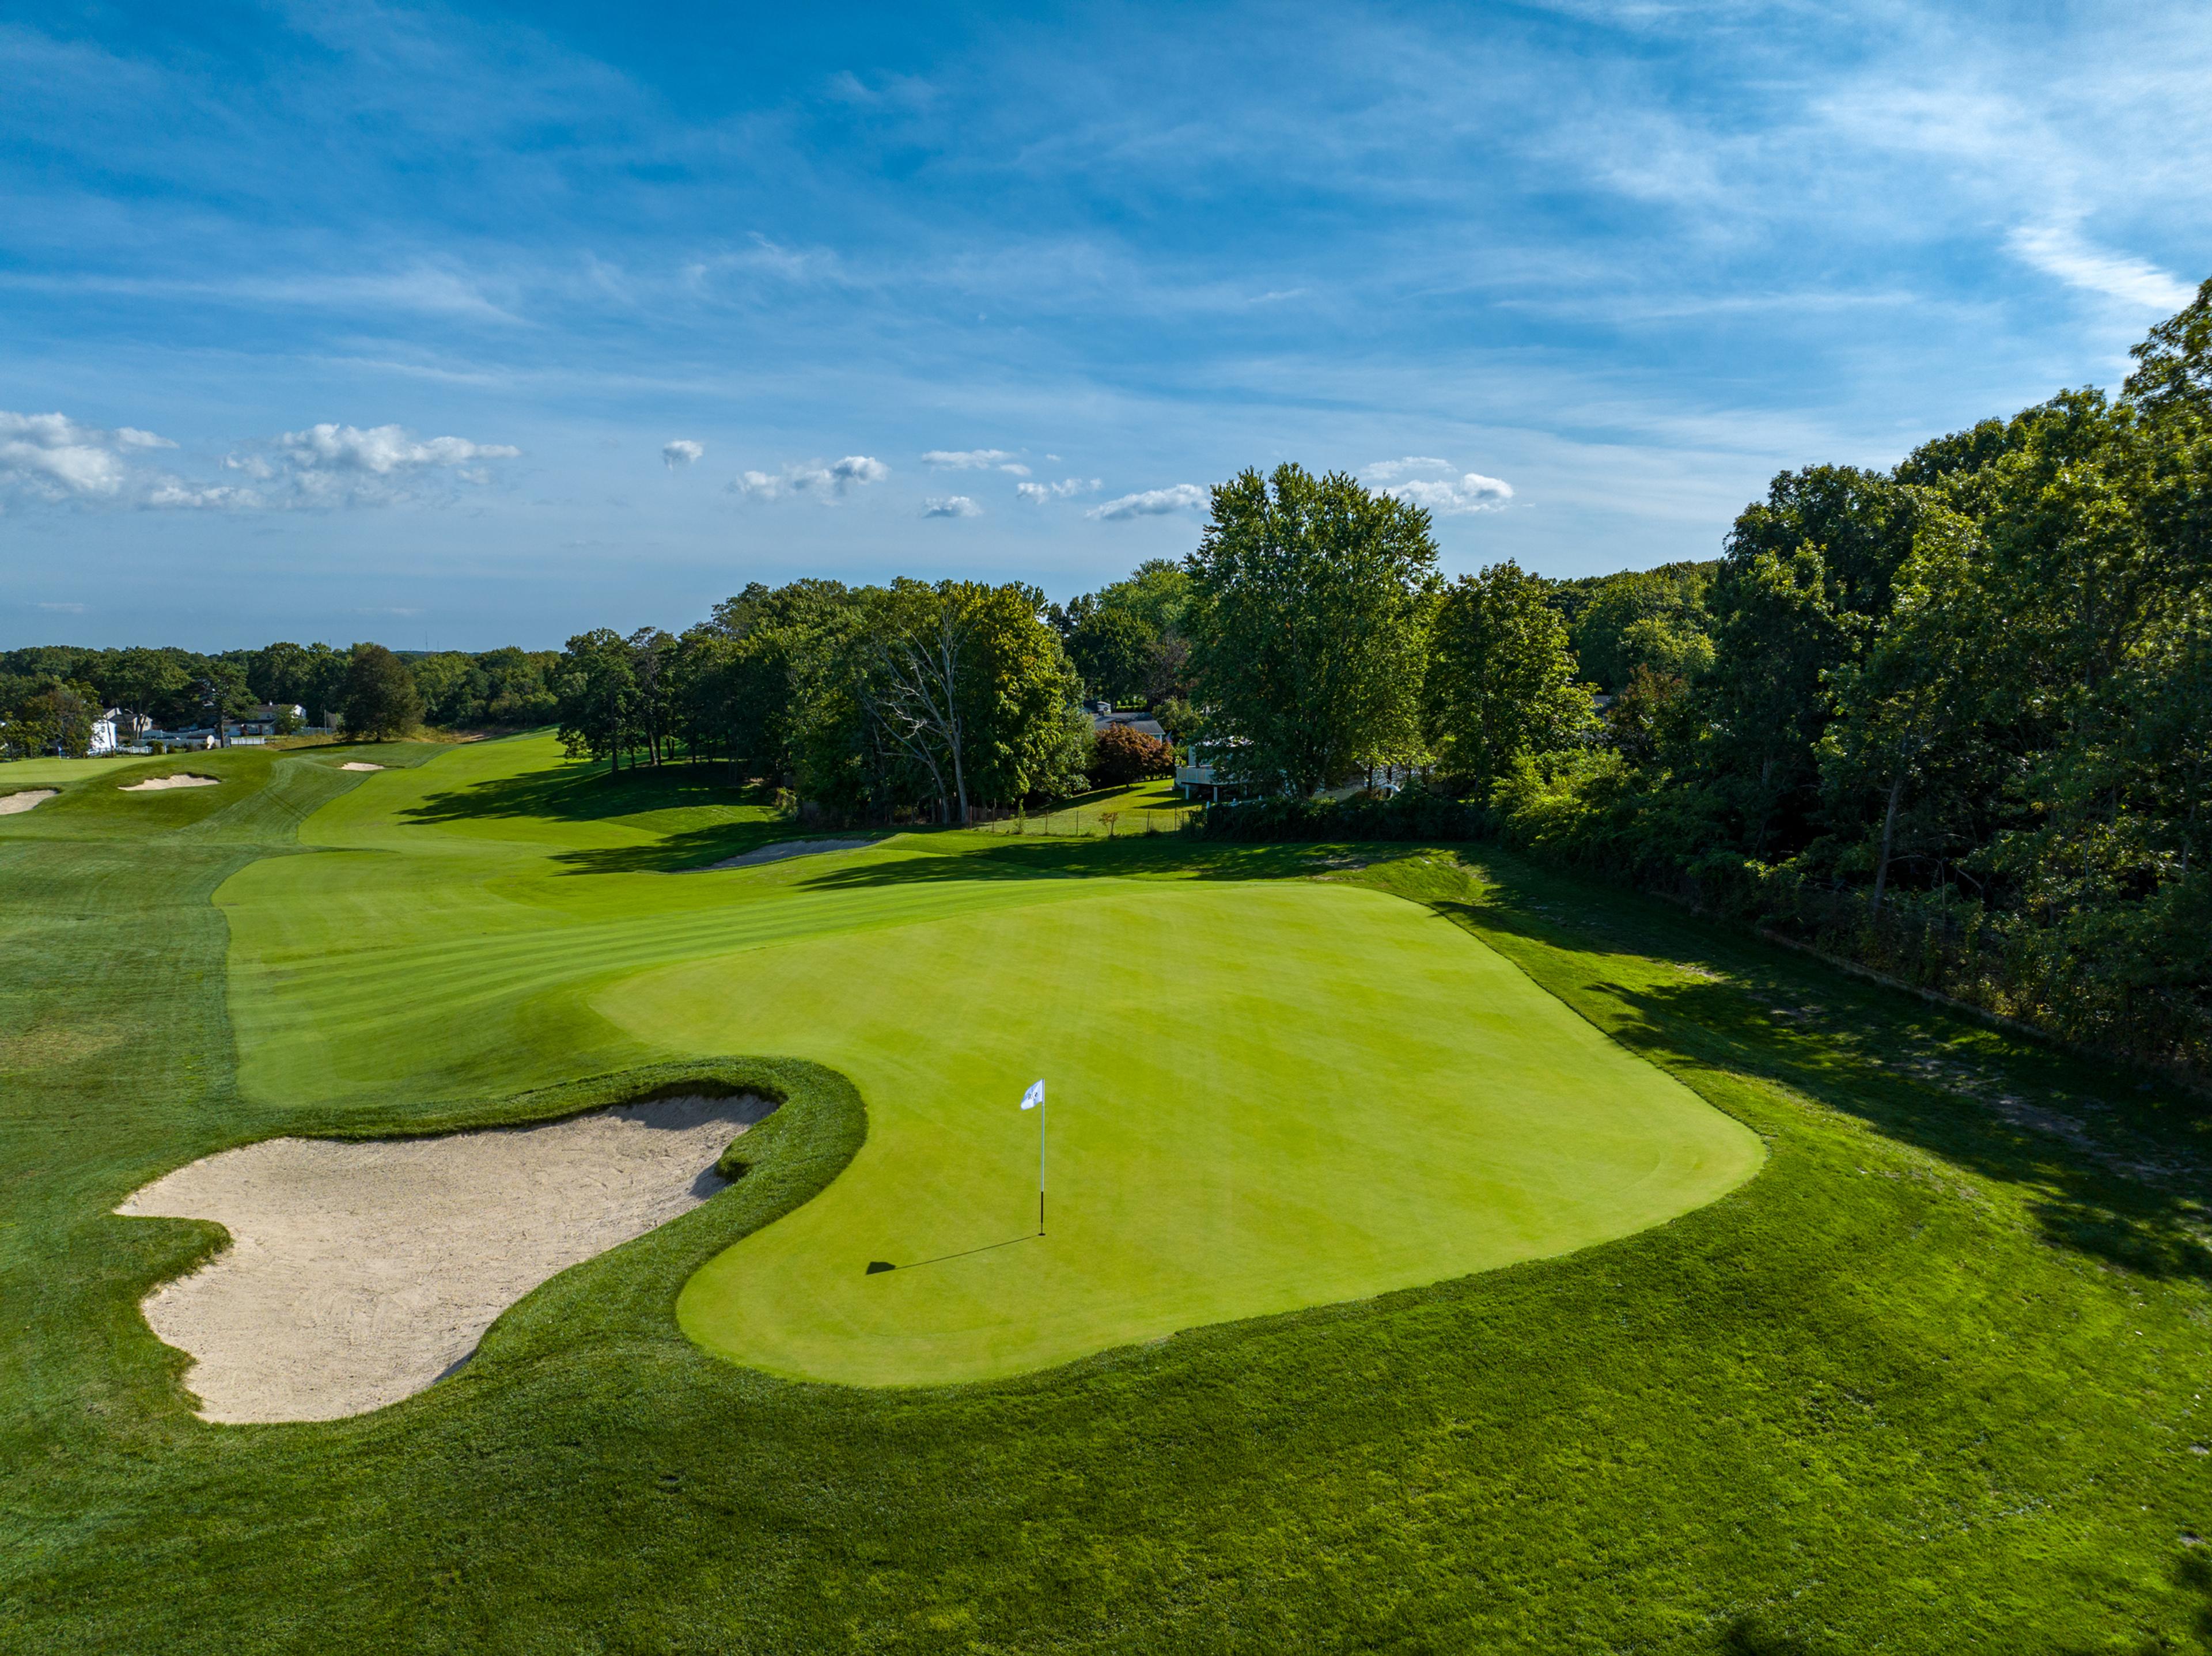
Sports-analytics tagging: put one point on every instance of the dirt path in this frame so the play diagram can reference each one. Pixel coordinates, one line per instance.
(359, 1273)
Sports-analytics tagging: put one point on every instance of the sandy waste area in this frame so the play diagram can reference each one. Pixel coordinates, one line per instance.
(781, 849)
(359, 765)
(14, 804)
(359, 1273)
(156, 784)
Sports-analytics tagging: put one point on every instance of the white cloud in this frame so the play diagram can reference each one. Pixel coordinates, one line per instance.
(1384, 470)
(858, 469)
(2058, 249)
(951, 505)
(131, 437)
(1038, 494)
(836, 479)
(1451, 497)
(1151, 503)
(379, 450)
(680, 453)
(974, 459)
(49, 457)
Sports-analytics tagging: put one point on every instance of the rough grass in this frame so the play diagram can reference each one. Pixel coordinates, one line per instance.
(1931, 1382)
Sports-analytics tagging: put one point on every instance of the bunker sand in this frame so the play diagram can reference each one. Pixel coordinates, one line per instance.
(359, 1273)
(15, 805)
(157, 784)
(781, 849)
(359, 765)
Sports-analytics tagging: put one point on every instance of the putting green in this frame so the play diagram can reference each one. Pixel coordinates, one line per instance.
(1262, 1096)
(1265, 1095)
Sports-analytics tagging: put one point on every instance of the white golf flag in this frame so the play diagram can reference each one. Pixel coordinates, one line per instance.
(1034, 1096)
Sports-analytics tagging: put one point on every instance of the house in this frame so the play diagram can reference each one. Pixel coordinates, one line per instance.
(1103, 714)
(102, 740)
(1196, 780)
(264, 719)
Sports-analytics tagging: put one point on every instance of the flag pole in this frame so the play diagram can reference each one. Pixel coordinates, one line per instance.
(1034, 1100)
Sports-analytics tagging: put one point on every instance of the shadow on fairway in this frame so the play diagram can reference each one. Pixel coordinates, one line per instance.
(2117, 1182)
(580, 792)
(973, 857)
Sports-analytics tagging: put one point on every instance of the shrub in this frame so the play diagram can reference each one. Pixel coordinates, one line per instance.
(1122, 755)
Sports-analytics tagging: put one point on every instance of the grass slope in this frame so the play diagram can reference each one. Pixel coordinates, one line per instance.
(1931, 1382)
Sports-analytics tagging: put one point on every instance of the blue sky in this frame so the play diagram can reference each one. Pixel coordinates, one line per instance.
(479, 326)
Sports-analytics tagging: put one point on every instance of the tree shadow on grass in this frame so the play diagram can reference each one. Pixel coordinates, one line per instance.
(580, 792)
(973, 857)
(2112, 1175)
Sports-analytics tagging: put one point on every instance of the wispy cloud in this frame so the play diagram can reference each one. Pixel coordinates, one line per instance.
(951, 505)
(2059, 250)
(1066, 488)
(680, 453)
(974, 459)
(1151, 503)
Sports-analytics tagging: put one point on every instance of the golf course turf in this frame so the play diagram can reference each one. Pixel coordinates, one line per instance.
(1915, 1364)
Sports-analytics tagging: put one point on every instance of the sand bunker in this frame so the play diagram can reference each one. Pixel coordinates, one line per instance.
(155, 784)
(359, 765)
(359, 1273)
(781, 849)
(15, 805)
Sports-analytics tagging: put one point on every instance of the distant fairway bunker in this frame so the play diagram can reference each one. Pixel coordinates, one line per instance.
(782, 850)
(1266, 1096)
(360, 1272)
(162, 783)
(14, 804)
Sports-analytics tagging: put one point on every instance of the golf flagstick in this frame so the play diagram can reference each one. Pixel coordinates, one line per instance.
(1034, 1100)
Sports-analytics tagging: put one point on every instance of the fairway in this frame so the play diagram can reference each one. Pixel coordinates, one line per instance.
(1261, 1097)
(1265, 1095)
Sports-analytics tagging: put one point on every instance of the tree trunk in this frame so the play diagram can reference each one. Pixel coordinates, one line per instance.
(1888, 836)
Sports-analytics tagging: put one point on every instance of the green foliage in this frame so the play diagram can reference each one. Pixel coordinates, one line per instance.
(379, 700)
(1130, 640)
(1653, 619)
(1308, 615)
(596, 689)
(1501, 679)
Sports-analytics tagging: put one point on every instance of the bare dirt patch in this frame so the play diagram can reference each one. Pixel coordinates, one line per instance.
(156, 784)
(780, 850)
(359, 1273)
(359, 765)
(14, 804)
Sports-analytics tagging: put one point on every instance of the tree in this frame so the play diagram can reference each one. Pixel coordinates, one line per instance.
(596, 683)
(1121, 754)
(1308, 612)
(1501, 680)
(1650, 618)
(379, 700)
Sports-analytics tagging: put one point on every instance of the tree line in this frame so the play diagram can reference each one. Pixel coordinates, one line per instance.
(50, 694)
(1952, 720)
